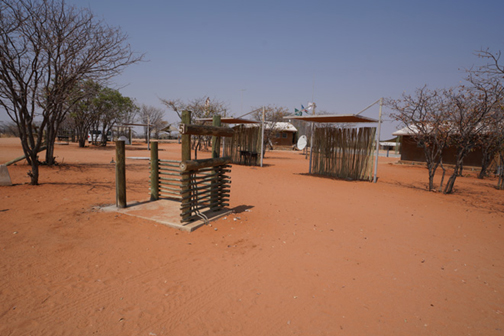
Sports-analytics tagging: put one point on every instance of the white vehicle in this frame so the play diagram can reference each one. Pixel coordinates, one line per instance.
(96, 135)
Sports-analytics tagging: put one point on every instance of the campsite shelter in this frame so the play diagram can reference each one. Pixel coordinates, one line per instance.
(411, 152)
(343, 152)
(245, 145)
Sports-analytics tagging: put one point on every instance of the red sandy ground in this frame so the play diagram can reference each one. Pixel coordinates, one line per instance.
(311, 256)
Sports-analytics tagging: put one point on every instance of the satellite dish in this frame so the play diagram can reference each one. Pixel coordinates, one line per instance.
(301, 144)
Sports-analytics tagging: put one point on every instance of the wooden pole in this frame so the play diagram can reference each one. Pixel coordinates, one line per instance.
(23, 157)
(186, 156)
(186, 138)
(378, 142)
(214, 199)
(262, 137)
(215, 139)
(120, 175)
(148, 132)
(154, 174)
(206, 130)
(204, 163)
(311, 141)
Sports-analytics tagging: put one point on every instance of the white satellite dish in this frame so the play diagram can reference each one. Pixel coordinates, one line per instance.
(301, 144)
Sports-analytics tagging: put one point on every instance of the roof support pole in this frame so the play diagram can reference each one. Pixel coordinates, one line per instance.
(311, 139)
(262, 137)
(378, 142)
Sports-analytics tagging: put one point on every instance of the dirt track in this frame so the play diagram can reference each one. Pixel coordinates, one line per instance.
(303, 255)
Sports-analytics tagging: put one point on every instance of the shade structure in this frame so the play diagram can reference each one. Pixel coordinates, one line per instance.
(335, 118)
(231, 120)
(332, 162)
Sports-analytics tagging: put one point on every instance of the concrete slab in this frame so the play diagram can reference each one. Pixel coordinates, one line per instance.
(5, 179)
(166, 212)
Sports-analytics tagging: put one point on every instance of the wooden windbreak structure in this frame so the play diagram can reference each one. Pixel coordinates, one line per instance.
(199, 185)
(245, 143)
(345, 153)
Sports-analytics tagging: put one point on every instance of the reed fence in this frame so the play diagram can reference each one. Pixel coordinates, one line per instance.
(345, 153)
(244, 146)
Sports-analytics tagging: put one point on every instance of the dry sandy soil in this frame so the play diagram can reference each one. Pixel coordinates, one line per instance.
(302, 255)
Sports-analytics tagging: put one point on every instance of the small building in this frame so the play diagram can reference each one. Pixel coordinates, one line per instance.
(390, 144)
(412, 152)
(284, 133)
(281, 133)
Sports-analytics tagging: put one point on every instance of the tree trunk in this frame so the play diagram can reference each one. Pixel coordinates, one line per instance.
(485, 162)
(431, 179)
(460, 169)
(26, 150)
(34, 173)
(500, 183)
(431, 167)
(50, 137)
(442, 177)
(451, 181)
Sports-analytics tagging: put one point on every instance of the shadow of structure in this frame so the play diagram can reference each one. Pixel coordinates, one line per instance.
(242, 208)
(167, 212)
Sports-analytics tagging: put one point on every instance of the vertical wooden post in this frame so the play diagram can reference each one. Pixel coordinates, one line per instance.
(120, 175)
(375, 177)
(154, 172)
(215, 195)
(311, 140)
(216, 140)
(186, 138)
(186, 155)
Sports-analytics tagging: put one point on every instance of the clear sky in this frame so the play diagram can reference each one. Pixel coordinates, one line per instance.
(347, 54)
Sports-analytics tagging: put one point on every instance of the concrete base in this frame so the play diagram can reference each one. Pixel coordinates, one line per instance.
(165, 212)
(5, 179)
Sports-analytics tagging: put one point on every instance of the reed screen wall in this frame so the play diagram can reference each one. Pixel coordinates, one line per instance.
(244, 139)
(345, 153)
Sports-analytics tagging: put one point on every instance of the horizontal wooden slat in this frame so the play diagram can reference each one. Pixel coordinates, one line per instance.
(206, 130)
(198, 164)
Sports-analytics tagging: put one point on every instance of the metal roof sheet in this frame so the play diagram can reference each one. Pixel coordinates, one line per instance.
(336, 118)
(231, 120)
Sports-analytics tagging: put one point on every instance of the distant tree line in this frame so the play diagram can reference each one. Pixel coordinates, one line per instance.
(466, 117)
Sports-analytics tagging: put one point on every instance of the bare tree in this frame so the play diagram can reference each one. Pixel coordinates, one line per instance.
(492, 67)
(493, 140)
(82, 114)
(46, 49)
(471, 110)
(492, 71)
(203, 107)
(272, 116)
(153, 116)
(425, 114)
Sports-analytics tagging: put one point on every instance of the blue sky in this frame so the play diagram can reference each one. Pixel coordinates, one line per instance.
(347, 54)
